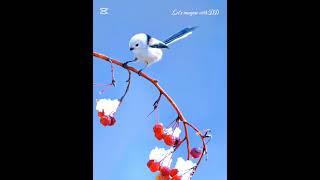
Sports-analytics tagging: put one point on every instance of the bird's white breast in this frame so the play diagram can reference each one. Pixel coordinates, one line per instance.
(148, 55)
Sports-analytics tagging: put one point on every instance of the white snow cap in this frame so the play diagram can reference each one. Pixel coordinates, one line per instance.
(108, 106)
(174, 133)
(157, 154)
(184, 168)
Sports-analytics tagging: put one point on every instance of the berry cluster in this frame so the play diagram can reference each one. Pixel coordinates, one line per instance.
(106, 120)
(171, 138)
(168, 137)
(165, 172)
(106, 109)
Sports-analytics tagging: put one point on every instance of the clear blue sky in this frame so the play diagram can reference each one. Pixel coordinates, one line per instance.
(192, 71)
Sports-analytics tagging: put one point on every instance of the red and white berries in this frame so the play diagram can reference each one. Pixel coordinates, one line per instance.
(106, 120)
(196, 152)
(169, 140)
(169, 137)
(160, 159)
(106, 109)
(165, 172)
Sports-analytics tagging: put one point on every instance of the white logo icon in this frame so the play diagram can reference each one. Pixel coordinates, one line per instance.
(104, 11)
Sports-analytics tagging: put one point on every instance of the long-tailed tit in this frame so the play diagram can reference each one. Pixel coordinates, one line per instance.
(148, 50)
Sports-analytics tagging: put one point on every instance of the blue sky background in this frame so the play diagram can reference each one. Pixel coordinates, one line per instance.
(192, 71)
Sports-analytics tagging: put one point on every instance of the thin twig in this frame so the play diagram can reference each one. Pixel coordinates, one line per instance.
(155, 104)
(128, 85)
(113, 81)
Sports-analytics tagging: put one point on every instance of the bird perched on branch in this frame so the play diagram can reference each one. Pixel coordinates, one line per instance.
(148, 50)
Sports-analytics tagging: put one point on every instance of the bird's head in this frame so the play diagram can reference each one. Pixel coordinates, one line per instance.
(138, 41)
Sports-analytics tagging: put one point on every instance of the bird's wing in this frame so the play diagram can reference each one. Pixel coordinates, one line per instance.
(180, 35)
(155, 43)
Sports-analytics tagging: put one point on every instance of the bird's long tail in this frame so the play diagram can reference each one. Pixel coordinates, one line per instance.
(180, 35)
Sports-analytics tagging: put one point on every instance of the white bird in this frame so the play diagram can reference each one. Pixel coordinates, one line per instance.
(148, 50)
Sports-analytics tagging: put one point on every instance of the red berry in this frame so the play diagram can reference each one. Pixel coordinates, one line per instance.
(159, 136)
(173, 172)
(165, 171)
(158, 128)
(196, 152)
(165, 178)
(176, 177)
(150, 162)
(101, 114)
(160, 177)
(105, 120)
(155, 166)
(169, 140)
(158, 131)
(113, 120)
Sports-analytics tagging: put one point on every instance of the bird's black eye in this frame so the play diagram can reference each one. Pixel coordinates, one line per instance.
(137, 45)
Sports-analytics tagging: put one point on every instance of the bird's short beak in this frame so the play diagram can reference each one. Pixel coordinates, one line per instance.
(131, 49)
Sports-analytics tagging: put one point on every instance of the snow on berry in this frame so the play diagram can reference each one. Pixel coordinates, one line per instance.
(161, 155)
(170, 136)
(175, 133)
(185, 168)
(107, 106)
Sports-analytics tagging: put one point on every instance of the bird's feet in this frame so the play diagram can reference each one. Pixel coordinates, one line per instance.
(125, 65)
(139, 73)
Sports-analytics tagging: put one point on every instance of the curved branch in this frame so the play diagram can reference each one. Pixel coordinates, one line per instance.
(163, 92)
